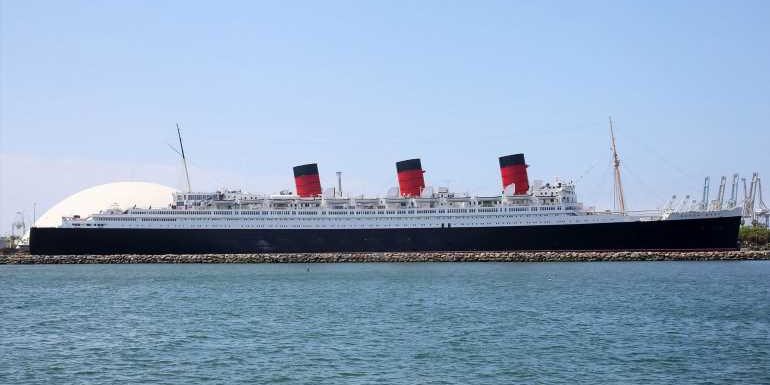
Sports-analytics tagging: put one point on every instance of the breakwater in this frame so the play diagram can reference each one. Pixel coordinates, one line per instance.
(518, 256)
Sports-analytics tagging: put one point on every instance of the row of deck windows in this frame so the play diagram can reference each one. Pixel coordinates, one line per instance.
(352, 212)
(458, 221)
(411, 219)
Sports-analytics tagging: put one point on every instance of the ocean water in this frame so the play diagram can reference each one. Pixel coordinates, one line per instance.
(440, 323)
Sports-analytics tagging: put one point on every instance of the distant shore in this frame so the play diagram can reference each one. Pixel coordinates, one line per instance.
(535, 256)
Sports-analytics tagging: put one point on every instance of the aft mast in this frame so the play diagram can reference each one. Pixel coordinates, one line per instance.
(617, 192)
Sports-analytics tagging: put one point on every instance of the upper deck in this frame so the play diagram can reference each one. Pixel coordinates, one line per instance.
(558, 194)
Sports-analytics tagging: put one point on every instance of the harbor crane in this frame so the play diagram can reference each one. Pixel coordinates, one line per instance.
(733, 202)
(704, 202)
(755, 211)
(717, 204)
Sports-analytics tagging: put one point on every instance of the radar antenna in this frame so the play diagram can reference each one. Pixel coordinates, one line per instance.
(619, 200)
(184, 159)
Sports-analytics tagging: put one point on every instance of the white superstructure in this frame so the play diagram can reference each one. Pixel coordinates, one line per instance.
(545, 204)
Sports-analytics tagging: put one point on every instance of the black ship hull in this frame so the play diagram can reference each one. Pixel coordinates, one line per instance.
(690, 234)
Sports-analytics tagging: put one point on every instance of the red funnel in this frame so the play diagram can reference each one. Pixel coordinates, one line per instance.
(513, 169)
(410, 180)
(307, 180)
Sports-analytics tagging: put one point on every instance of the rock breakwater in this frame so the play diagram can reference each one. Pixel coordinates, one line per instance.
(516, 256)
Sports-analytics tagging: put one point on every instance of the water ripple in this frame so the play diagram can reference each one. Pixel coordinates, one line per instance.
(587, 323)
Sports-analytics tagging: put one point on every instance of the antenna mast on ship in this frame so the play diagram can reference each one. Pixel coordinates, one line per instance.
(619, 200)
(184, 159)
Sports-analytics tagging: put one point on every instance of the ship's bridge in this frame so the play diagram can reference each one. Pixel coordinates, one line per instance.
(555, 193)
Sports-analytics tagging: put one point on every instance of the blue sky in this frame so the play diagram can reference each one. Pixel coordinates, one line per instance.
(91, 92)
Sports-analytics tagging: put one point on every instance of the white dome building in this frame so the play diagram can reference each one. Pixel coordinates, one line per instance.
(92, 200)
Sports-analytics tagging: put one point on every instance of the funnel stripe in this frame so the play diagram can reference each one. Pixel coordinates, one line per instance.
(511, 160)
(306, 169)
(410, 164)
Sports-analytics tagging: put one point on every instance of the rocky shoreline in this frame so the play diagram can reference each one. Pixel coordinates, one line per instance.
(535, 256)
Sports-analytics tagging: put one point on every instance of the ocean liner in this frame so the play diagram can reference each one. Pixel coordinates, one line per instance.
(544, 216)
